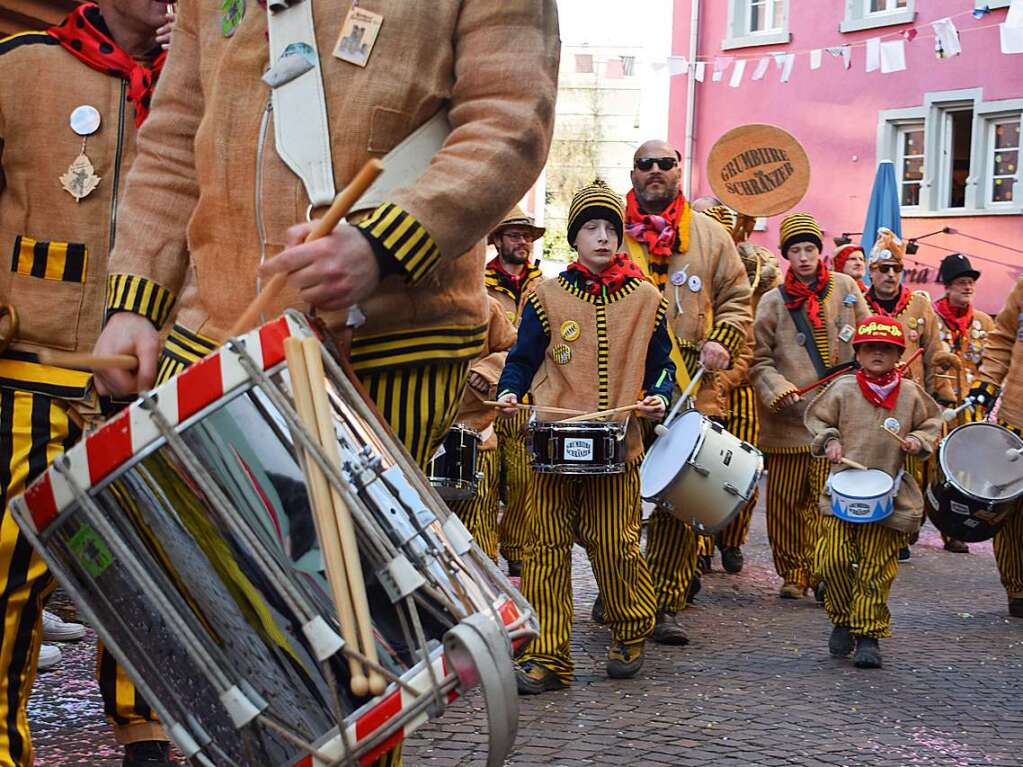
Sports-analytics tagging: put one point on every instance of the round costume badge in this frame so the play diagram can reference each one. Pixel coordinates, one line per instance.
(570, 330)
(561, 354)
(678, 278)
(913, 335)
(892, 424)
(975, 333)
(976, 324)
(801, 339)
(695, 283)
(85, 120)
(510, 315)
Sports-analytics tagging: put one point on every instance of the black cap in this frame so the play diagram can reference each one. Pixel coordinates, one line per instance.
(955, 265)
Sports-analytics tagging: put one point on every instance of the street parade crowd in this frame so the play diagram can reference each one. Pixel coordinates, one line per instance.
(667, 367)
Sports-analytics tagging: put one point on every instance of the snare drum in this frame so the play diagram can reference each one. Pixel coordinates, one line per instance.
(699, 472)
(582, 447)
(452, 470)
(182, 529)
(859, 495)
(977, 486)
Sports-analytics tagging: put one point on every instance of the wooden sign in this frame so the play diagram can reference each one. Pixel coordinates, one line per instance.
(758, 170)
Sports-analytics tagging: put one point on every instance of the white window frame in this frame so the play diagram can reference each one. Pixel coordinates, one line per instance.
(987, 174)
(992, 4)
(737, 34)
(858, 17)
(901, 128)
(934, 189)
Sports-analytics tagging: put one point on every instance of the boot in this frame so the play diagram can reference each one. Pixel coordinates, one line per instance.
(667, 631)
(731, 559)
(818, 593)
(956, 547)
(624, 660)
(868, 653)
(904, 553)
(1016, 607)
(533, 679)
(597, 615)
(790, 590)
(148, 753)
(841, 642)
(703, 564)
(694, 588)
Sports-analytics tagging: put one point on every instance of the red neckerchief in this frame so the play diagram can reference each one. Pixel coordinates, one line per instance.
(904, 298)
(656, 231)
(514, 281)
(862, 286)
(882, 391)
(620, 269)
(799, 293)
(957, 319)
(84, 35)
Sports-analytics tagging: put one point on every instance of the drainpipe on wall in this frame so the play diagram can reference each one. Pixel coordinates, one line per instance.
(690, 141)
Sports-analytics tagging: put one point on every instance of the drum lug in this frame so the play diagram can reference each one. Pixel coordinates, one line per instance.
(239, 707)
(322, 638)
(399, 578)
(459, 538)
(182, 739)
(730, 488)
(700, 470)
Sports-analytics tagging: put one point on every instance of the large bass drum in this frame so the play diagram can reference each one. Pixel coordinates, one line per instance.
(978, 484)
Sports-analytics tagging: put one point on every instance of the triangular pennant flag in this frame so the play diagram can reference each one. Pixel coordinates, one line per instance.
(737, 72)
(815, 58)
(786, 68)
(779, 59)
(1011, 30)
(873, 62)
(893, 56)
(720, 67)
(761, 69)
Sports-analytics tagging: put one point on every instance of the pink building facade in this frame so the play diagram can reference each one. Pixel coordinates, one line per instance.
(951, 126)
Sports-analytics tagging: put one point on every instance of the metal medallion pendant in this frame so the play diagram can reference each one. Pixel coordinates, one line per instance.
(80, 179)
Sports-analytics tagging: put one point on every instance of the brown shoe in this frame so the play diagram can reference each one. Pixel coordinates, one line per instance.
(956, 547)
(790, 590)
(532, 679)
(667, 631)
(624, 660)
(1016, 607)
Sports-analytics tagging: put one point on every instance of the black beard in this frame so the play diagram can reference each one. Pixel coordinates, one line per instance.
(514, 258)
(655, 203)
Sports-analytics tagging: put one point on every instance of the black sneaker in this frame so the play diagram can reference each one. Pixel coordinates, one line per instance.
(731, 560)
(868, 653)
(667, 631)
(534, 679)
(148, 753)
(694, 588)
(841, 642)
(818, 592)
(904, 553)
(1016, 607)
(514, 568)
(597, 614)
(624, 660)
(703, 563)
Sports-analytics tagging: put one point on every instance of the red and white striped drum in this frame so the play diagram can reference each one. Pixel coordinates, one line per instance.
(182, 529)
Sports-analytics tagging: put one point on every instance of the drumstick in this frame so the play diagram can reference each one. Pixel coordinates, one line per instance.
(1013, 453)
(321, 228)
(598, 414)
(520, 406)
(852, 464)
(662, 428)
(342, 514)
(950, 415)
(319, 497)
(910, 359)
(893, 435)
(87, 361)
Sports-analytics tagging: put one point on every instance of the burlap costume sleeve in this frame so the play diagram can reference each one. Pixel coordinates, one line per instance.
(732, 294)
(937, 357)
(771, 386)
(1002, 339)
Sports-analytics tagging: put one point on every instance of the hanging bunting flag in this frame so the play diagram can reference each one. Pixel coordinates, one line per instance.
(910, 34)
(737, 72)
(1012, 29)
(847, 56)
(815, 58)
(786, 67)
(614, 69)
(761, 69)
(873, 62)
(583, 63)
(700, 71)
(893, 56)
(720, 67)
(678, 65)
(946, 38)
(779, 59)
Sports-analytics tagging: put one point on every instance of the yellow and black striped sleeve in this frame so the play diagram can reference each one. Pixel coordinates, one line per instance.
(730, 337)
(132, 293)
(401, 244)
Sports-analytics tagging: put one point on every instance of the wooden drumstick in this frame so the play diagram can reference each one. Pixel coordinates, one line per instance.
(545, 408)
(323, 514)
(342, 514)
(598, 414)
(852, 464)
(894, 435)
(87, 361)
(662, 428)
(321, 228)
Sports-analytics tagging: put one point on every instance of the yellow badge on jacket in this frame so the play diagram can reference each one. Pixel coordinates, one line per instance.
(570, 330)
(358, 35)
(561, 353)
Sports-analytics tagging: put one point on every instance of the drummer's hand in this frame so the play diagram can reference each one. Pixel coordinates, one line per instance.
(128, 333)
(511, 399)
(163, 34)
(833, 451)
(912, 445)
(333, 272)
(651, 407)
(788, 401)
(714, 356)
(478, 383)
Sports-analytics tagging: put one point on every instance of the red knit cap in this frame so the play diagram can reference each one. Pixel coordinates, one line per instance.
(880, 330)
(843, 253)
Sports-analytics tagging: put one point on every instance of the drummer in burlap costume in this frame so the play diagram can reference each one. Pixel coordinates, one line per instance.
(1001, 375)
(594, 338)
(479, 513)
(509, 277)
(859, 560)
(802, 328)
(692, 260)
(205, 198)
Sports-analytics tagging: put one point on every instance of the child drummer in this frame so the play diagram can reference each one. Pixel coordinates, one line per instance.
(858, 560)
(592, 339)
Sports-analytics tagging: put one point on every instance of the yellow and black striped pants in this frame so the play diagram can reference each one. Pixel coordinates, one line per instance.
(672, 547)
(1008, 544)
(479, 513)
(742, 421)
(795, 482)
(602, 512)
(516, 475)
(858, 562)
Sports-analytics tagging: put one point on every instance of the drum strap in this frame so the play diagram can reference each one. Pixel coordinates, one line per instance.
(803, 326)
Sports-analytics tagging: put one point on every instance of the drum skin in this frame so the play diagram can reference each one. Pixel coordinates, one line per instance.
(453, 470)
(706, 484)
(583, 447)
(860, 496)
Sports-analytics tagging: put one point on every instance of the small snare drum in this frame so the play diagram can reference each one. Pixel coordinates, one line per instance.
(859, 495)
(582, 447)
(452, 469)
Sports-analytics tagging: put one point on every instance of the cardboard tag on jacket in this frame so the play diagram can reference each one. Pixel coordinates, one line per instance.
(358, 36)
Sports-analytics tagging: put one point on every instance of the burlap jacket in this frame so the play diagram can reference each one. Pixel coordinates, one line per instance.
(781, 364)
(500, 338)
(57, 248)
(1002, 364)
(208, 182)
(969, 350)
(714, 301)
(511, 304)
(923, 329)
(842, 412)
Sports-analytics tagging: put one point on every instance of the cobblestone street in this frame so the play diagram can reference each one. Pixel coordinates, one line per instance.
(754, 687)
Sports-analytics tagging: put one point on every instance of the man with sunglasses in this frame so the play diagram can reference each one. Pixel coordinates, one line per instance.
(692, 259)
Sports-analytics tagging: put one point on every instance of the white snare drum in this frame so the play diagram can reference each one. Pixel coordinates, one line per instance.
(859, 495)
(699, 472)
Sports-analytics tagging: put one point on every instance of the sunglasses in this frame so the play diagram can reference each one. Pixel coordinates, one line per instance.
(885, 268)
(664, 163)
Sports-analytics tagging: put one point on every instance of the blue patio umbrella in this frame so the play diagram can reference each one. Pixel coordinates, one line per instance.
(883, 209)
